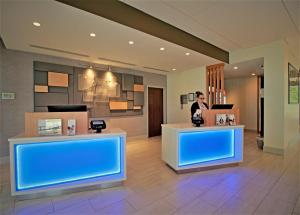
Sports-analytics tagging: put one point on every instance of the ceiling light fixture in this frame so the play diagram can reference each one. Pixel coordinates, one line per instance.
(92, 34)
(235, 67)
(173, 69)
(37, 24)
(187, 54)
(131, 42)
(162, 49)
(253, 74)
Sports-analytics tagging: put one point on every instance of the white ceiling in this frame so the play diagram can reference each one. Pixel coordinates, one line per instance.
(66, 28)
(245, 69)
(231, 24)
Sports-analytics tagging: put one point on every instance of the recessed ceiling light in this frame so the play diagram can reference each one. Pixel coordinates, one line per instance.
(187, 54)
(253, 74)
(92, 34)
(131, 42)
(37, 24)
(162, 48)
(235, 67)
(173, 69)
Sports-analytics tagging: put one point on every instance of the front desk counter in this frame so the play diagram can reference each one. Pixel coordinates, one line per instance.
(187, 148)
(42, 165)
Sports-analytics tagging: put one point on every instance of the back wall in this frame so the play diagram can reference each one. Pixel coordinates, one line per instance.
(17, 76)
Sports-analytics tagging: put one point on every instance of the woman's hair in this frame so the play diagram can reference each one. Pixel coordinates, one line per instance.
(198, 93)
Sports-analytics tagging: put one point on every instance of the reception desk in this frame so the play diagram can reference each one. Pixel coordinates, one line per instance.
(185, 147)
(43, 164)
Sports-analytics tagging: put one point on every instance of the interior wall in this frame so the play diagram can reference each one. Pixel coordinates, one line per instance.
(242, 92)
(277, 112)
(17, 72)
(291, 111)
(1, 113)
(183, 83)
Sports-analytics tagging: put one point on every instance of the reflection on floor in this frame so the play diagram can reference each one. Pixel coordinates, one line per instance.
(263, 184)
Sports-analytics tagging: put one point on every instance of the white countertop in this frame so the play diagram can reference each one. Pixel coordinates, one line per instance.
(90, 135)
(190, 127)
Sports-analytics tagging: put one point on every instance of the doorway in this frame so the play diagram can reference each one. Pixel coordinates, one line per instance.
(155, 111)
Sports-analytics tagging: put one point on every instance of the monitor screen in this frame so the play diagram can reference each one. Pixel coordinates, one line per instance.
(222, 106)
(67, 108)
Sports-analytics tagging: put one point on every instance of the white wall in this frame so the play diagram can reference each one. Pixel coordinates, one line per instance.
(291, 111)
(183, 83)
(1, 113)
(277, 115)
(242, 92)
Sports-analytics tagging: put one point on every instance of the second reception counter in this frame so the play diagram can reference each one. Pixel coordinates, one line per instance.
(187, 147)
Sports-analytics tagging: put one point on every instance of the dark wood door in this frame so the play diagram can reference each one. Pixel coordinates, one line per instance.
(155, 111)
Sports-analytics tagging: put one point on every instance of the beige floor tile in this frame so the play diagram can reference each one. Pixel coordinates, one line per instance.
(237, 206)
(63, 202)
(285, 192)
(183, 196)
(252, 193)
(296, 208)
(196, 207)
(32, 207)
(143, 199)
(274, 207)
(77, 209)
(108, 197)
(159, 207)
(122, 207)
(217, 195)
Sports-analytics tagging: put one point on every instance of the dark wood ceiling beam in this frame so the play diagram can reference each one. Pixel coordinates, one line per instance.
(127, 15)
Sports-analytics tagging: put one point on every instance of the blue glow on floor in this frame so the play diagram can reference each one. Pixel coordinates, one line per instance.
(50, 163)
(205, 146)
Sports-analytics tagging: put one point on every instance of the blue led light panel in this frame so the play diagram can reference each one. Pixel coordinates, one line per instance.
(49, 163)
(204, 146)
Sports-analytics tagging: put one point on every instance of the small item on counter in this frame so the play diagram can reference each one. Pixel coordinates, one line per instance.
(197, 119)
(98, 125)
(71, 127)
(221, 119)
(48, 127)
(231, 119)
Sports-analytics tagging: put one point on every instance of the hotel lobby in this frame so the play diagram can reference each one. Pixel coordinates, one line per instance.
(149, 107)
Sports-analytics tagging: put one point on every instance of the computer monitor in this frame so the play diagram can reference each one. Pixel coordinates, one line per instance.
(222, 106)
(67, 108)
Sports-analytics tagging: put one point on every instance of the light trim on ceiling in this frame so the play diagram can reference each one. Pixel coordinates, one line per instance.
(173, 69)
(131, 42)
(92, 34)
(187, 53)
(58, 50)
(162, 49)
(253, 74)
(162, 70)
(235, 67)
(116, 61)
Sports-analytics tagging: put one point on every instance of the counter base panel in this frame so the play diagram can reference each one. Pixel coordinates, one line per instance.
(206, 168)
(53, 193)
(55, 166)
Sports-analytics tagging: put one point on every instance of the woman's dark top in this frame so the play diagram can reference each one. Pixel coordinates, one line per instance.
(195, 106)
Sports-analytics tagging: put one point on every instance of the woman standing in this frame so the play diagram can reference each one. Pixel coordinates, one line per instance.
(199, 104)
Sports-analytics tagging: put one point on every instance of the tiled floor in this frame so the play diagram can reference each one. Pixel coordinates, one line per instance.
(263, 184)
